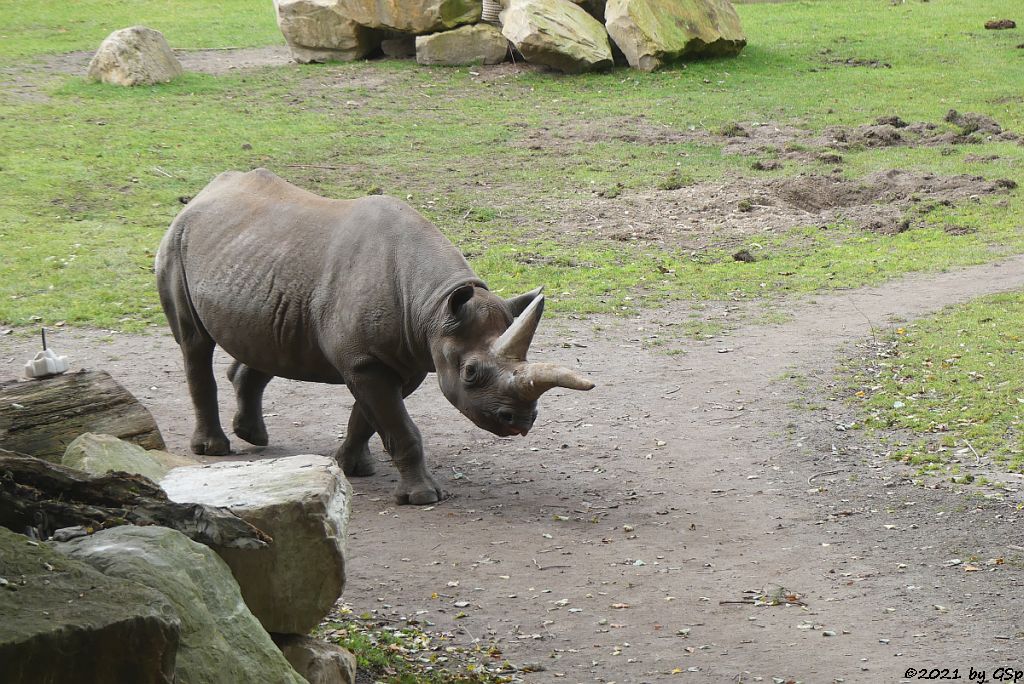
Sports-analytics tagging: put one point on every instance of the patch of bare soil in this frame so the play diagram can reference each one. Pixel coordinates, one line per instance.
(791, 143)
(999, 24)
(637, 129)
(227, 61)
(859, 62)
(494, 73)
(680, 519)
(726, 214)
(774, 141)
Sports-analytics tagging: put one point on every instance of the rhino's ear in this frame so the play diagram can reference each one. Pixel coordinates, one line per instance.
(519, 304)
(458, 299)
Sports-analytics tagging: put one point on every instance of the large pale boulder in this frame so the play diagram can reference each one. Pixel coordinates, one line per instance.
(100, 454)
(652, 33)
(316, 660)
(302, 502)
(411, 16)
(320, 31)
(134, 56)
(221, 641)
(62, 621)
(477, 44)
(558, 34)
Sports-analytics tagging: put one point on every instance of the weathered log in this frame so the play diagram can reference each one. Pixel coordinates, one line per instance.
(40, 497)
(41, 417)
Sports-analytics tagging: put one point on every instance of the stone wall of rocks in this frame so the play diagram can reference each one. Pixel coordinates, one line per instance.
(148, 604)
(571, 36)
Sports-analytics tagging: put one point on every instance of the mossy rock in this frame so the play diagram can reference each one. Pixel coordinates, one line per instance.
(652, 33)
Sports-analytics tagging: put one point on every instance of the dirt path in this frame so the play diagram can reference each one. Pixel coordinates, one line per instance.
(602, 547)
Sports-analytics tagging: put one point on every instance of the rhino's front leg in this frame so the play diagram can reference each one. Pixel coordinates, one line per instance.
(379, 394)
(354, 453)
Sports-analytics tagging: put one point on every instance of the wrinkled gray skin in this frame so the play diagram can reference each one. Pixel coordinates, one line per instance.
(363, 292)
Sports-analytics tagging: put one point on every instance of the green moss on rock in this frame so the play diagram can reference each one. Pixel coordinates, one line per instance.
(652, 33)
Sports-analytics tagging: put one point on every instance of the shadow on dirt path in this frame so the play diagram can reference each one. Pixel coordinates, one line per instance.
(626, 538)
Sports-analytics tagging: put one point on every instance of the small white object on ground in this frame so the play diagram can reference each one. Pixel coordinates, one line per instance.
(45, 364)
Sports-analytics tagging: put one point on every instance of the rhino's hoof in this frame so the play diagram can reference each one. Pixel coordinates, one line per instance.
(356, 463)
(420, 497)
(253, 434)
(210, 446)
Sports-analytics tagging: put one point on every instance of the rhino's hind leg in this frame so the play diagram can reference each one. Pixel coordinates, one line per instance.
(354, 453)
(196, 347)
(208, 438)
(249, 385)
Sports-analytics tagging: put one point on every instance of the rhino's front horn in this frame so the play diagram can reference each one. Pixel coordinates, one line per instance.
(515, 342)
(535, 379)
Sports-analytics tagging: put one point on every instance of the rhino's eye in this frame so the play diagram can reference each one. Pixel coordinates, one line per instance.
(470, 373)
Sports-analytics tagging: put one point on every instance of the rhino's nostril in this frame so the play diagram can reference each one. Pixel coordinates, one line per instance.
(506, 416)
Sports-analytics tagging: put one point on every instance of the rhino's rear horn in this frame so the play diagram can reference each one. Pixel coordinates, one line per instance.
(519, 304)
(515, 342)
(534, 379)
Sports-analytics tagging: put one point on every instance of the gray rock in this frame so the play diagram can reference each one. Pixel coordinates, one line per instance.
(221, 641)
(318, 661)
(477, 44)
(411, 16)
(105, 629)
(99, 454)
(558, 34)
(652, 33)
(318, 31)
(69, 533)
(134, 56)
(302, 502)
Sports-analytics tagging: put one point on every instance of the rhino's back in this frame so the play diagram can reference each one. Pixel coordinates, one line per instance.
(290, 282)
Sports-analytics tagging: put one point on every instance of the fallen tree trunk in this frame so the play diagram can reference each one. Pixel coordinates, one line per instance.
(40, 497)
(41, 417)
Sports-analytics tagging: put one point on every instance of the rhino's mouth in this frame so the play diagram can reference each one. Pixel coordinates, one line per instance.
(511, 431)
(501, 423)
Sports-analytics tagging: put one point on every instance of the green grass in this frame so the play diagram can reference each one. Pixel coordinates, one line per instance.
(955, 383)
(407, 654)
(45, 27)
(92, 174)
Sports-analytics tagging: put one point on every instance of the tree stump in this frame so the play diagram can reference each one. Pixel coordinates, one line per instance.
(41, 417)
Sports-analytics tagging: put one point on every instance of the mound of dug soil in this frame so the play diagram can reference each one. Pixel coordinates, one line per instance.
(815, 193)
(724, 215)
(789, 142)
(775, 142)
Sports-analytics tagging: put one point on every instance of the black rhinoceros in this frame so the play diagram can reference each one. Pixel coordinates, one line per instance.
(364, 292)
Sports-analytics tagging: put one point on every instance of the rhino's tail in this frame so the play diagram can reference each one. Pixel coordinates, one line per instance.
(172, 284)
